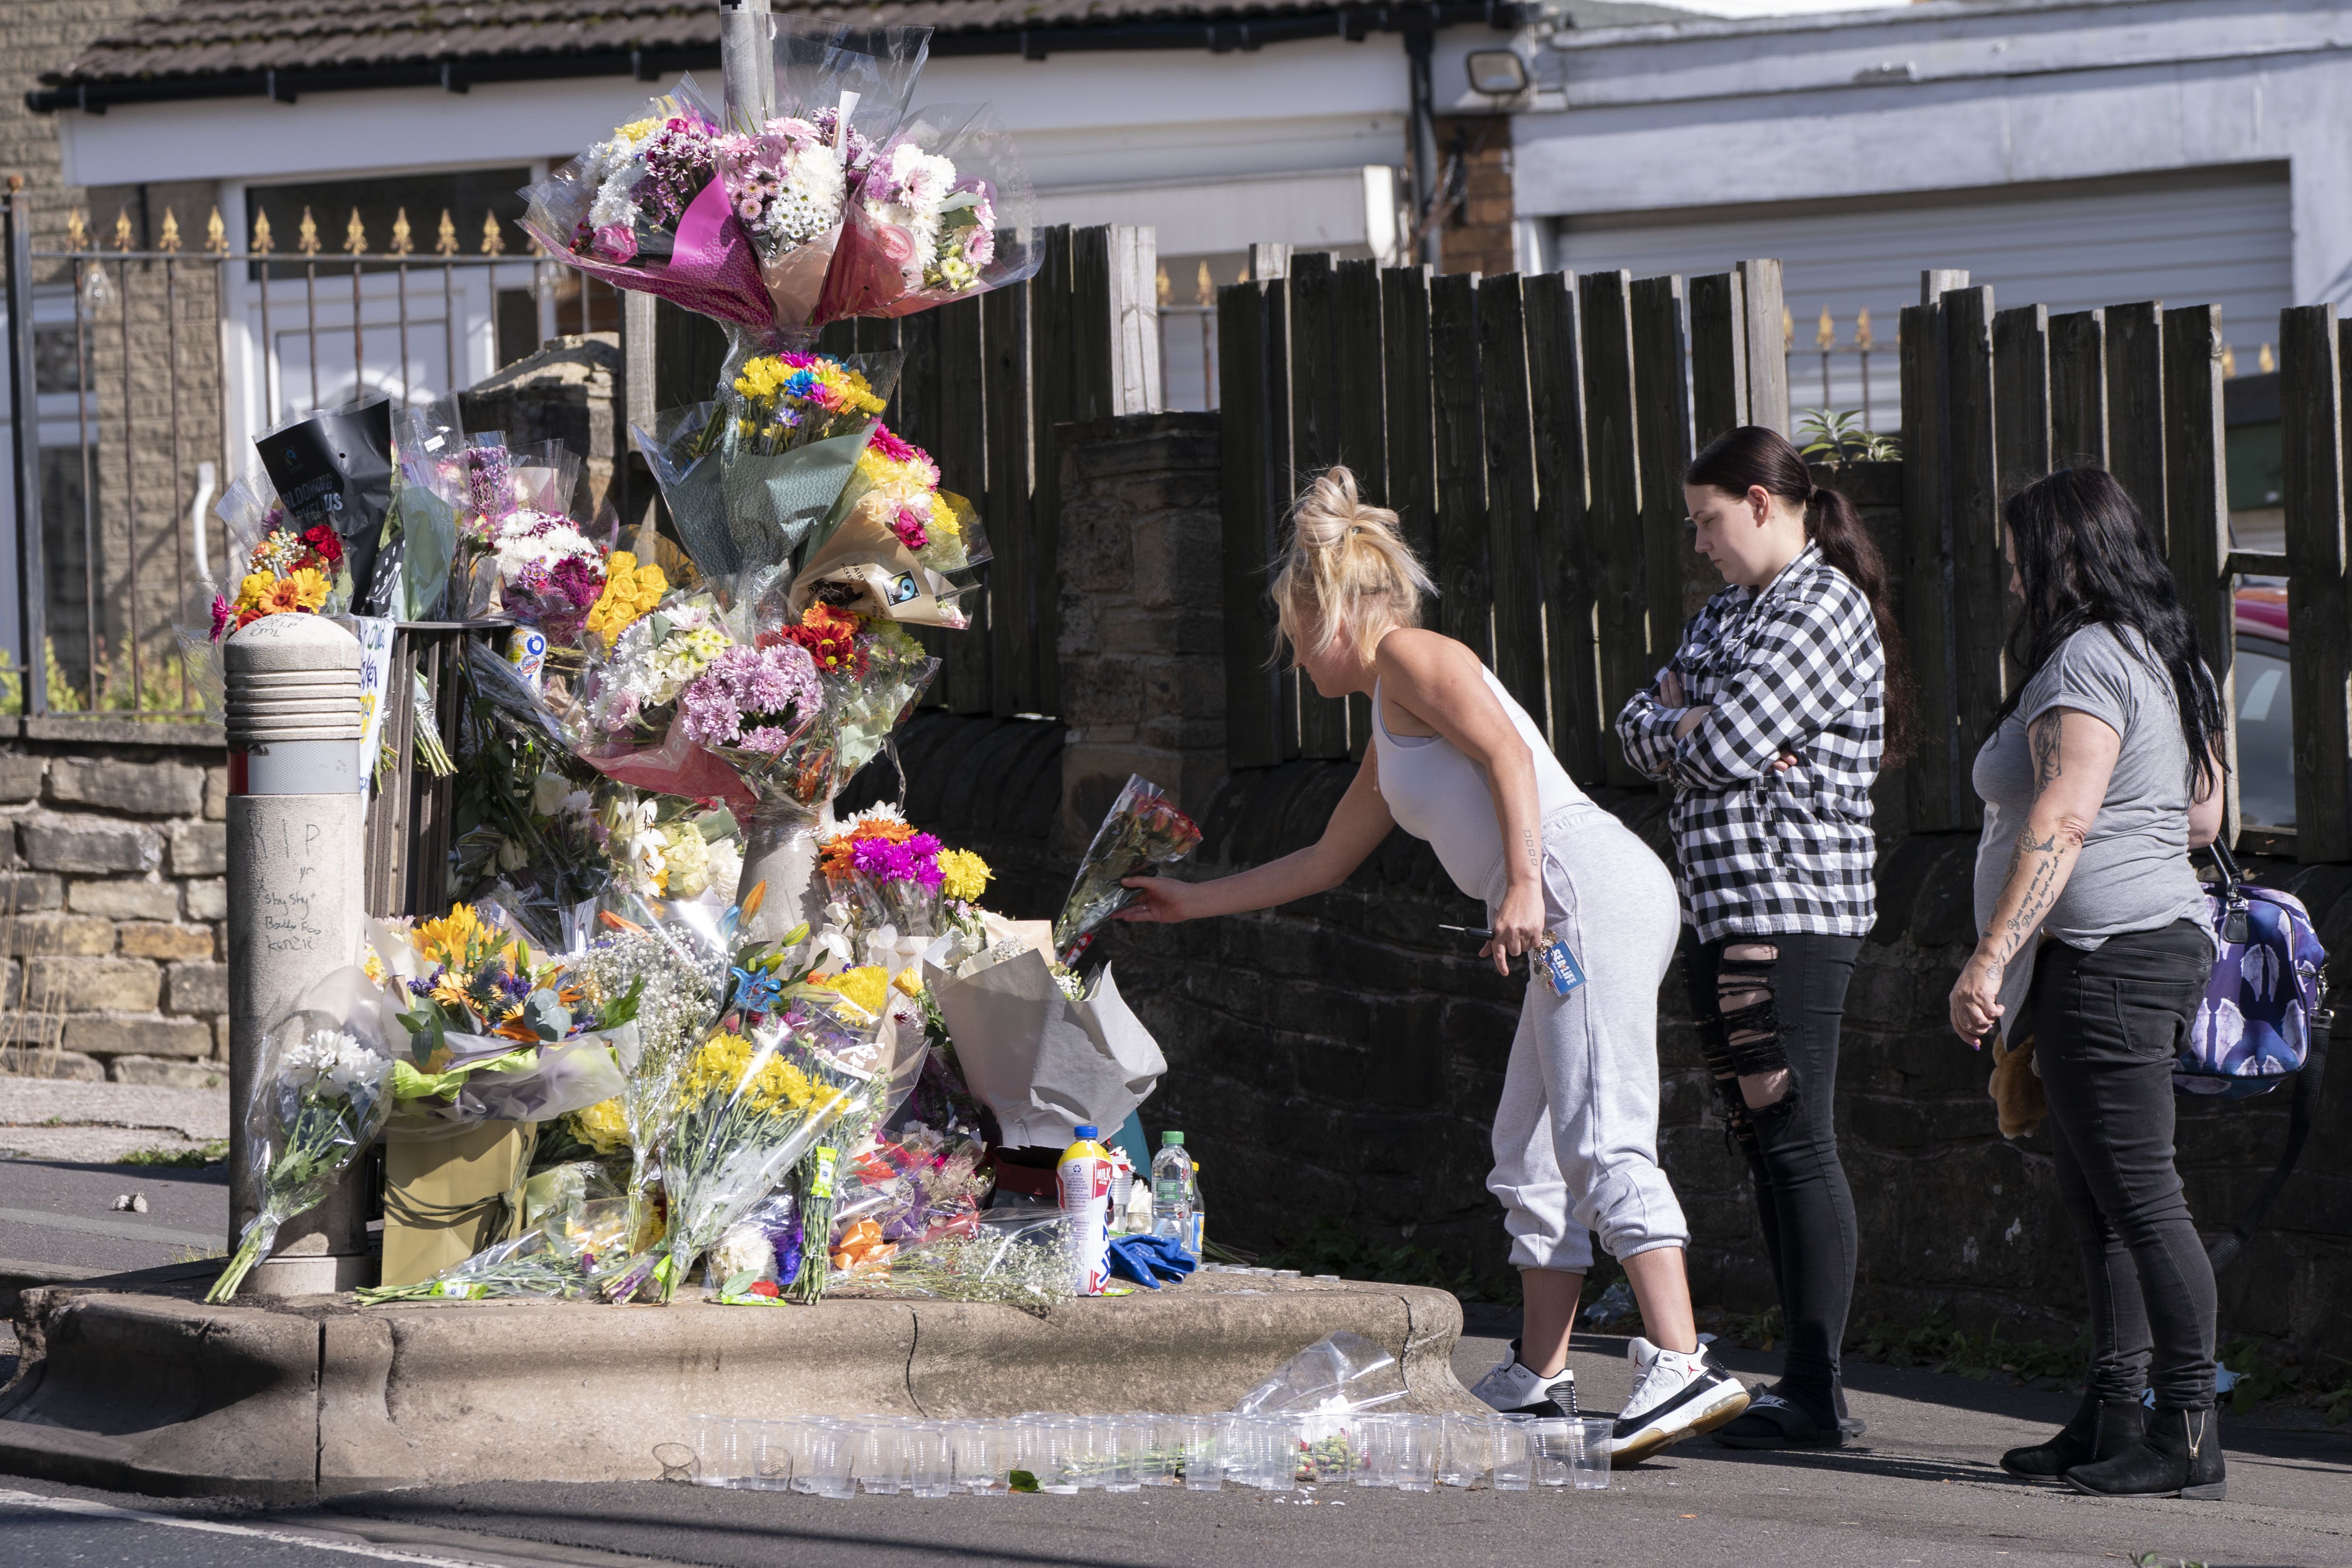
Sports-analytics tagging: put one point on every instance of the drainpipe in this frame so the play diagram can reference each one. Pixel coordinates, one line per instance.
(1421, 129)
(746, 62)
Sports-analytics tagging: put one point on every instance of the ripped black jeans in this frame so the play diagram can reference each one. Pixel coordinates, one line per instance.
(1768, 1010)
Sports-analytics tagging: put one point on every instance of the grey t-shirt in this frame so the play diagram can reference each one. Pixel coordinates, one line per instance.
(2134, 873)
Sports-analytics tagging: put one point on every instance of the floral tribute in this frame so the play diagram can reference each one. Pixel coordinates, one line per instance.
(292, 570)
(551, 575)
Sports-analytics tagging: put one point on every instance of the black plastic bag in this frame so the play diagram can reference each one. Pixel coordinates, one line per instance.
(337, 469)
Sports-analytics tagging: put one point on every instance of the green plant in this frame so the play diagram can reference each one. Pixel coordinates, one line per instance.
(161, 691)
(1939, 1346)
(1832, 439)
(209, 1153)
(1760, 1331)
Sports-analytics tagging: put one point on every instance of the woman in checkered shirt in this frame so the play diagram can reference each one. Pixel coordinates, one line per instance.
(1770, 722)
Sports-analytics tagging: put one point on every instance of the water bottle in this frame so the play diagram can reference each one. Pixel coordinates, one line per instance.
(1175, 1194)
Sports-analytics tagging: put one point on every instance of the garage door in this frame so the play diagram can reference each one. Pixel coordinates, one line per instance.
(2220, 238)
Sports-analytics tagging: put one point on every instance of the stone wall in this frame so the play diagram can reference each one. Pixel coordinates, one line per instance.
(111, 911)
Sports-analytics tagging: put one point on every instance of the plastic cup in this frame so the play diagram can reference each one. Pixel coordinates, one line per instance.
(717, 1462)
(1160, 1461)
(1588, 1460)
(1275, 1442)
(1061, 1455)
(930, 1463)
(880, 1465)
(831, 1448)
(1463, 1460)
(1551, 1446)
(774, 1454)
(1374, 1466)
(1201, 1455)
(1120, 1445)
(981, 1452)
(1331, 1450)
(1413, 1445)
(1511, 1455)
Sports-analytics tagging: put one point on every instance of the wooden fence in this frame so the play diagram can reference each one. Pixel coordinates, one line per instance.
(1531, 431)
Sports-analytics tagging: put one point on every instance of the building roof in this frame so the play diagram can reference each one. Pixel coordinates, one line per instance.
(210, 48)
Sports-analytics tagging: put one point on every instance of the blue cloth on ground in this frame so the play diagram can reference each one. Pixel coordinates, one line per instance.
(1148, 1259)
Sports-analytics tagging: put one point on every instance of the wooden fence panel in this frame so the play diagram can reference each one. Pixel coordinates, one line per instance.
(2078, 388)
(2136, 408)
(1412, 421)
(1605, 305)
(1926, 618)
(1253, 733)
(1979, 572)
(1718, 352)
(1053, 398)
(1768, 361)
(1563, 556)
(1663, 439)
(959, 443)
(1012, 453)
(1464, 605)
(2312, 412)
(2020, 396)
(2196, 507)
(1517, 590)
(1362, 377)
(1315, 445)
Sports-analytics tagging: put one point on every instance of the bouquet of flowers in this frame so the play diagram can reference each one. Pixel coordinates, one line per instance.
(663, 846)
(553, 1260)
(494, 1035)
(645, 209)
(1017, 1260)
(885, 876)
(290, 568)
(321, 1094)
(913, 1186)
(888, 544)
(631, 591)
(549, 574)
(746, 1108)
(939, 210)
(1143, 829)
(748, 476)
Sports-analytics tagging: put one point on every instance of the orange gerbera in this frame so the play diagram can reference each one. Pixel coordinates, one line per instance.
(839, 851)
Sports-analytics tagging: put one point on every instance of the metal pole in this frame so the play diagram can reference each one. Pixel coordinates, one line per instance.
(747, 62)
(25, 420)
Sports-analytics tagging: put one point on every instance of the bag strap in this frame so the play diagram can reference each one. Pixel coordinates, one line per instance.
(2226, 865)
(2304, 1109)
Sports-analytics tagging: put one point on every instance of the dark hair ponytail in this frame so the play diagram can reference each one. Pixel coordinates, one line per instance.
(1741, 460)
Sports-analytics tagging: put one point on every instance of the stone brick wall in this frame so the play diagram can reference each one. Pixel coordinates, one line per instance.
(1477, 235)
(111, 911)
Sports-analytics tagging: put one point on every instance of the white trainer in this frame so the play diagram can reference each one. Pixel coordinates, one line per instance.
(1675, 1396)
(1514, 1390)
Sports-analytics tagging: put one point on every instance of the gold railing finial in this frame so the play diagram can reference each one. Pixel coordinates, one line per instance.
(77, 230)
(354, 236)
(1825, 334)
(123, 228)
(169, 241)
(447, 244)
(493, 242)
(306, 238)
(1862, 338)
(1788, 330)
(2263, 362)
(1159, 281)
(402, 240)
(1207, 286)
(216, 234)
(2228, 361)
(263, 241)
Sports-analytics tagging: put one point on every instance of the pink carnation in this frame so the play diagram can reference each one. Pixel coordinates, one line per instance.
(616, 242)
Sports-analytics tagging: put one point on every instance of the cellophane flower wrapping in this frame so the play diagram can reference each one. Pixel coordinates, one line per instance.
(1143, 828)
(319, 1095)
(678, 976)
(747, 1106)
(429, 496)
(553, 1260)
(939, 210)
(888, 545)
(1019, 1259)
(521, 553)
(897, 888)
(912, 1184)
(646, 209)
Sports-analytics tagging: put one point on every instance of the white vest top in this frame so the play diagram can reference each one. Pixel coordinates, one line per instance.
(1437, 794)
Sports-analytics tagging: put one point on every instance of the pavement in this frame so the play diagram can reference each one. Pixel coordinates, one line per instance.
(1920, 1490)
(47, 1119)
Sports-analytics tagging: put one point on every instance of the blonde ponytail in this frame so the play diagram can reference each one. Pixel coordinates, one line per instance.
(1347, 562)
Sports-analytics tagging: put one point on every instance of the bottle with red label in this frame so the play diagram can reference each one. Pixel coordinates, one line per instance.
(1083, 1180)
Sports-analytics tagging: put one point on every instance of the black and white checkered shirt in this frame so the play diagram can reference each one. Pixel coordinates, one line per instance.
(1794, 667)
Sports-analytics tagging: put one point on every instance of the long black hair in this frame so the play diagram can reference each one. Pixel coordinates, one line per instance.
(2085, 559)
(1741, 459)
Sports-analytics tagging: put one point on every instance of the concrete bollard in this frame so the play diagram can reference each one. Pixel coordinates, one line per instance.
(296, 897)
(781, 852)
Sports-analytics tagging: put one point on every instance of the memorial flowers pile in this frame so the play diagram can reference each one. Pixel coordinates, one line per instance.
(551, 575)
(292, 569)
(883, 872)
(630, 594)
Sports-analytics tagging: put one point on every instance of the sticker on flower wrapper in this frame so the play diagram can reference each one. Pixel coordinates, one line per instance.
(820, 1184)
(1557, 965)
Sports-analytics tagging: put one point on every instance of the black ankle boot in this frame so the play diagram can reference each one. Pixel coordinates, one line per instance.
(2100, 1430)
(2179, 1456)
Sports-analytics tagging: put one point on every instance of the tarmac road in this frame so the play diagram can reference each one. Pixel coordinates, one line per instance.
(1921, 1490)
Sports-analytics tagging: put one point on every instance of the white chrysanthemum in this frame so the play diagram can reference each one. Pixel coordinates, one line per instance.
(885, 811)
(333, 1060)
(725, 869)
(745, 1250)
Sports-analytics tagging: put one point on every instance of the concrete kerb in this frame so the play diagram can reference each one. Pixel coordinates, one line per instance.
(287, 1398)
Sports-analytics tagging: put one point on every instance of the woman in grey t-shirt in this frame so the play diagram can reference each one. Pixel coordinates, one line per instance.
(2098, 780)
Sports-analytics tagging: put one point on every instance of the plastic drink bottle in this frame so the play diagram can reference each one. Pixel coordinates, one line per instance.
(1175, 1196)
(1082, 1177)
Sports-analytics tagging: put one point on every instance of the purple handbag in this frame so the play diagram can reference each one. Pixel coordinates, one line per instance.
(2265, 1019)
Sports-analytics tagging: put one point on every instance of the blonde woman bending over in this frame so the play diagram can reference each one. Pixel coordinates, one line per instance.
(1456, 762)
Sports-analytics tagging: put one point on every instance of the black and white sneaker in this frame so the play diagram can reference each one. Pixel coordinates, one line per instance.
(1514, 1390)
(1675, 1396)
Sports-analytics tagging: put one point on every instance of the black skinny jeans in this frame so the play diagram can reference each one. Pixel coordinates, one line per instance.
(2107, 1024)
(1790, 1145)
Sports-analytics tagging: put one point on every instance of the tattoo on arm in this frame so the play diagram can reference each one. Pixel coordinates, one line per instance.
(2047, 858)
(2043, 734)
(1535, 855)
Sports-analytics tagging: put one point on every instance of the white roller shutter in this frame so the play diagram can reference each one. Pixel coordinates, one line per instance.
(2223, 238)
